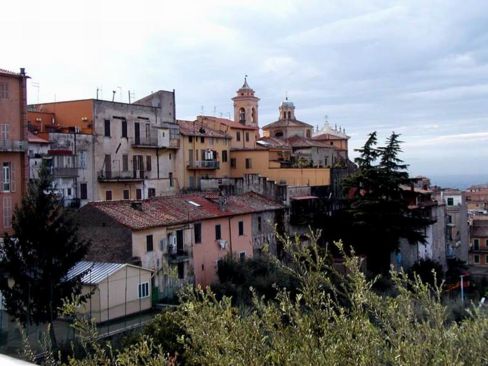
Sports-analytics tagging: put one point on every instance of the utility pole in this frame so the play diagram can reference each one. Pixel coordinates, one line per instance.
(462, 289)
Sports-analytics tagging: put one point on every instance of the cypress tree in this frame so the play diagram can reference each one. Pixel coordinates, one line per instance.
(37, 258)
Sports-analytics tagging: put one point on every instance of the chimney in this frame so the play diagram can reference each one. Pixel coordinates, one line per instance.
(22, 71)
(136, 205)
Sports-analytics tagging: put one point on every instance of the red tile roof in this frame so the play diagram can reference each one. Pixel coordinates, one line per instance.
(7, 72)
(287, 123)
(196, 128)
(227, 122)
(36, 139)
(171, 210)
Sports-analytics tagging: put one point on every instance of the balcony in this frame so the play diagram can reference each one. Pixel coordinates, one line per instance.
(203, 164)
(12, 146)
(120, 176)
(178, 256)
(145, 142)
(64, 172)
(153, 142)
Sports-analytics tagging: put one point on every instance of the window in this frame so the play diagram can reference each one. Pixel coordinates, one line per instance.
(476, 259)
(197, 229)
(107, 128)
(169, 156)
(143, 290)
(486, 244)
(138, 194)
(170, 179)
(151, 192)
(148, 163)
(68, 192)
(224, 156)
(238, 136)
(476, 244)
(248, 163)
(242, 256)
(247, 136)
(125, 163)
(218, 233)
(149, 243)
(4, 129)
(6, 175)
(233, 162)
(259, 224)
(450, 201)
(7, 212)
(241, 228)
(108, 195)
(124, 128)
(82, 157)
(202, 139)
(449, 219)
(3, 90)
(126, 194)
(190, 138)
(181, 270)
(83, 191)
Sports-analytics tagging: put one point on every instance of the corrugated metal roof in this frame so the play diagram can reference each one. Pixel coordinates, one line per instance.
(97, 271)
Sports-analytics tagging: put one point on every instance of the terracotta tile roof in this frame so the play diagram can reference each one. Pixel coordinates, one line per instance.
(226, 122)
(196, 128)
(7, 72)
(171, 210)
(294, 141)
(35, 139)
(287, 123)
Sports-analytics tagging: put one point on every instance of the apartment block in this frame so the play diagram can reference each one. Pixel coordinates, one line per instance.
(182, 238)
(13, 143)
(130, 152)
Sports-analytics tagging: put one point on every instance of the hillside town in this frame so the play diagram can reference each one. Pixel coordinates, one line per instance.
(164, 201)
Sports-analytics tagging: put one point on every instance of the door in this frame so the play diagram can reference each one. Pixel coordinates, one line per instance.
(179, 241)
(137, 133)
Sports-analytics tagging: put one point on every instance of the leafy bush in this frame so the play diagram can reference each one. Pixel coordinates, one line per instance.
(429, 271)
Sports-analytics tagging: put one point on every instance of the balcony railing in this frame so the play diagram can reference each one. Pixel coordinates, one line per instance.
(203, 164)
(178, 256)
(64, 172)
(117, 175)
(153, 142)
(145, 141)
(13, 145)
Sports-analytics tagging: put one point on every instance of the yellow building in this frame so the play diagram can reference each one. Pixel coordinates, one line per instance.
(204, 153)
(246, 154)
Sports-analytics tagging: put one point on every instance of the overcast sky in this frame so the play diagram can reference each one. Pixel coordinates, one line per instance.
(419, 68)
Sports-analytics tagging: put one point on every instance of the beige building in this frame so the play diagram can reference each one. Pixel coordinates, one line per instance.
(134, 145)
(117, 289)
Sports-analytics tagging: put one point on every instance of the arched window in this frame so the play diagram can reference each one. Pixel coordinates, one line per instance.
(279, 134)
(308, 134)
(242, 115)
(289, 115)
(253, 115)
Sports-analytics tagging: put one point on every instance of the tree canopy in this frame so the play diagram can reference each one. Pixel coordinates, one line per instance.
(378, 213)
(37, 258)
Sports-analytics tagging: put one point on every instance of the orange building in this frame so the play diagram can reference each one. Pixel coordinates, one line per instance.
(13, 136)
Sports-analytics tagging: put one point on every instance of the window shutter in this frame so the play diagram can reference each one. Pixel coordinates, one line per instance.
(13, 179)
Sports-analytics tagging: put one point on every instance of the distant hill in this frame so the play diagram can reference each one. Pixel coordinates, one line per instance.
(459, 181)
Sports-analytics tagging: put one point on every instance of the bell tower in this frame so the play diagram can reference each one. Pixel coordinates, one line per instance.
(246, 106)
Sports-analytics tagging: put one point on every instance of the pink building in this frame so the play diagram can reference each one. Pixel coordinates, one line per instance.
(181, 238)
(13, 128)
